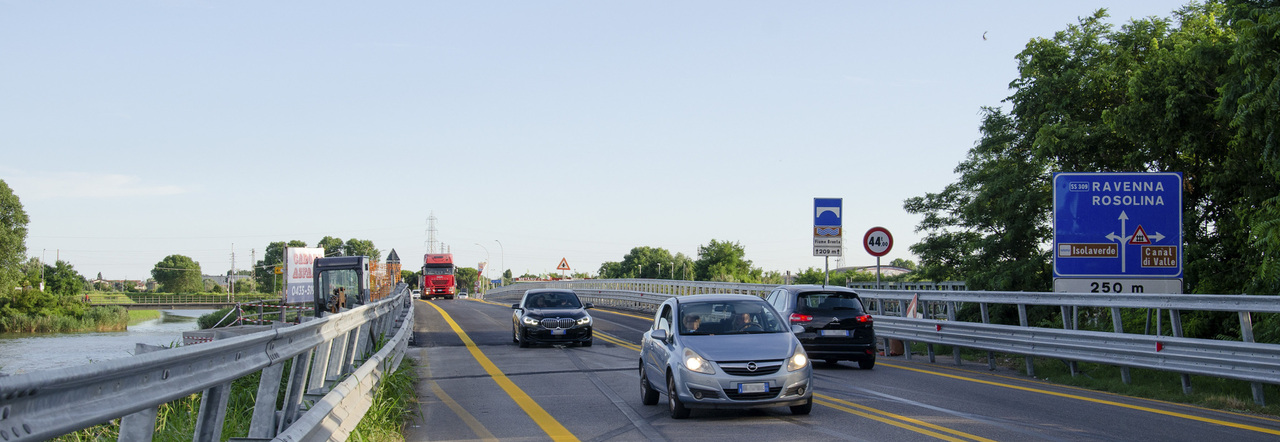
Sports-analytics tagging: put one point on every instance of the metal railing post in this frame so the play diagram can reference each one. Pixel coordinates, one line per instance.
(213, 412)
(1117, 324)
(263, 424)
(1175, 321)
(1246, 334)
(1022, 321)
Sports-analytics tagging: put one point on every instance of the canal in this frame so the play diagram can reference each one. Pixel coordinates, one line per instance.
(28, 352)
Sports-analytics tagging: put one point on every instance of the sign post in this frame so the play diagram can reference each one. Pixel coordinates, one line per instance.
(1117, 232)
(878, 242)
(827, 230)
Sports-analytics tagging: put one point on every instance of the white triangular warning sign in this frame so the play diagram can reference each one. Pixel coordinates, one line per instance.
(564, 264)
(1140, 237)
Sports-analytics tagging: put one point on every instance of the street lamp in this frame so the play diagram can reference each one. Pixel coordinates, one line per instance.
(502, 272)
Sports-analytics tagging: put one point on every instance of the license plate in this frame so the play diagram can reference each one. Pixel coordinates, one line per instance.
(555, 332)
(758, 387)
(835, 333)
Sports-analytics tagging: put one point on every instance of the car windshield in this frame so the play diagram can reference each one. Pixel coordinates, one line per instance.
(729, 317)
(829, 302)
(552, 300)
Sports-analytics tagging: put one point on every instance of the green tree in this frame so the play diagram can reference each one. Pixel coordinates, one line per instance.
(361, 247)
(13, 238)
(411, 278)
(264, 272)
(332, 246)
(465, 278)
(177, 274)
(724, 261)
(63, 280)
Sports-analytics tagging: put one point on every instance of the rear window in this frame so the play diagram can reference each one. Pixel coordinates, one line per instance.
(843, 302)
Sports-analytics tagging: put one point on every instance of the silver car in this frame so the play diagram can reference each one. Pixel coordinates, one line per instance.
(723, 351)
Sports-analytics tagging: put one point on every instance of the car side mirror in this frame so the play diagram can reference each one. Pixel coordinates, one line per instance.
(797, 328)
(587, 305)
(515, 306)
(659, 334)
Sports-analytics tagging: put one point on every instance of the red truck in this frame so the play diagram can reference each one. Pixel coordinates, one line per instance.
(437, 276)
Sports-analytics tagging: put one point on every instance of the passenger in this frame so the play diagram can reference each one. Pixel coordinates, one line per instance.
(691, 323)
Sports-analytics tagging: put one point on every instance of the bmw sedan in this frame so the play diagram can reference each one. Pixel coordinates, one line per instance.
(551, 316)
(723, 351)
(836, 326)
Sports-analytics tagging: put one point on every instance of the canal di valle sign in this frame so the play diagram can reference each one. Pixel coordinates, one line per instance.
(1117, 232)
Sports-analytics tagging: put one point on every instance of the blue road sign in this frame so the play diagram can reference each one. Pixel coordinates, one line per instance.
(1117, 225)
(826, 216)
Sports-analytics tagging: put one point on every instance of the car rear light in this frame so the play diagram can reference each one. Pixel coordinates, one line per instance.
(797, 317)
(864, 318)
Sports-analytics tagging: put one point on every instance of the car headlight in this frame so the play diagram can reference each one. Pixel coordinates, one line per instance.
(585, 320)
(529, 321)
(798, 359)
(694, 362)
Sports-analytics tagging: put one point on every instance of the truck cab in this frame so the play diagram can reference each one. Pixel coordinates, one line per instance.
(340, 283)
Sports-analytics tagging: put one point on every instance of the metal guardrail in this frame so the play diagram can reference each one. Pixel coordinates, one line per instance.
(324, 397)
(1242, 360)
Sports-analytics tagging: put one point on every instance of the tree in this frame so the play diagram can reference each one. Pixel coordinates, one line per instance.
(332, 246)
(361, 247)
(13, 237)
(264, 272)
(63, 280)
(724, 261)
(177, 274)
(466, 277)
(410, 277)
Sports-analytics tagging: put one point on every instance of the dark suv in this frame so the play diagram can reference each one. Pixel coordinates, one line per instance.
(836, 326)
(551, 316)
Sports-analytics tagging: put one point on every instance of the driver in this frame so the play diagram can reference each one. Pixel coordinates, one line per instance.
(742, 321)
(691, 323)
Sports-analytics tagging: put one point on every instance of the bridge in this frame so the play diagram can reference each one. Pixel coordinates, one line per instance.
(476, 384)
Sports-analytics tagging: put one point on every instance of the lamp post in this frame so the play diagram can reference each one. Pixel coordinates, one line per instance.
(502, 272)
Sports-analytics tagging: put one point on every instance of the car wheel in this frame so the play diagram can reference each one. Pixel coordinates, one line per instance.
(513, 335)
(648, 395)
(678, 411)
(524, 340)
(802, 409)
(866, 364)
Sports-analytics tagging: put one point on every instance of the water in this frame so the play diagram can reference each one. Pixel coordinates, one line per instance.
(27, 352)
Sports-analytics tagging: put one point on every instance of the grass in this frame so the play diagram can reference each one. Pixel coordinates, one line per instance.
(1207, 392)
(139, 316)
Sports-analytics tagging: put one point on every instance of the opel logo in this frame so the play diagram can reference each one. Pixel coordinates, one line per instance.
(751, 366)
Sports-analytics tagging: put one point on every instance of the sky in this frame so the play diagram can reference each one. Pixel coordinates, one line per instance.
(533, 131)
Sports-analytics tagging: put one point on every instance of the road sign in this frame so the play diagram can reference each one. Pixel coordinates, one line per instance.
(564, 264)
(1117, 225)
(878, 241)
(828, 227)
(1117, 285)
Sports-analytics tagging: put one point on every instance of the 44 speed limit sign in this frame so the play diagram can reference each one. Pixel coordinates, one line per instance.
(878, 241)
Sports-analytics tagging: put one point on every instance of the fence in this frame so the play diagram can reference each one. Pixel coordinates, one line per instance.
(325, 393)
(1241, 360)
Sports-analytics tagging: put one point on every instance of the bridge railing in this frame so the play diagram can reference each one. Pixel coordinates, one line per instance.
(328, 387)
(1242, 360)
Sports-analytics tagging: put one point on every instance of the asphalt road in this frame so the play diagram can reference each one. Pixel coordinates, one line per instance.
(476, 384)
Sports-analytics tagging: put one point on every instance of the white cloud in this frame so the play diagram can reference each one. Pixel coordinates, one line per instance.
(53, 185)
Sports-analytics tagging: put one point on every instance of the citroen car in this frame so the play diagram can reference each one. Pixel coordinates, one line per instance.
(836, 325)
(551, 316)
(717, 351)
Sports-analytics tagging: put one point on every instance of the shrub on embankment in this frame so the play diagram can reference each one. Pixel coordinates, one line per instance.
(33, 311)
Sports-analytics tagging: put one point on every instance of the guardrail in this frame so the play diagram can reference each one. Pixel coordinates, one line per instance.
(1242, 360)
(325, 394)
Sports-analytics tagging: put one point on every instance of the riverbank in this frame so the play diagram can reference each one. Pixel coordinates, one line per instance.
(87, 319)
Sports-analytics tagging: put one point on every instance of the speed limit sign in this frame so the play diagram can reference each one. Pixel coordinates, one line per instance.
(878, 241)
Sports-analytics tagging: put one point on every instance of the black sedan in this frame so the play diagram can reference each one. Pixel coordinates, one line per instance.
(551, 316)
(836, 326)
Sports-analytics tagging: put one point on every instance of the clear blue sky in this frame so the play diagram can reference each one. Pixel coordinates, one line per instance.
(138, 129)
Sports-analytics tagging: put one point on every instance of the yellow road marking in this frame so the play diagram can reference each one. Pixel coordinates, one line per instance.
(616, 341)
(845, 406)
(457, 408)
(544, 420)
(1097, 401)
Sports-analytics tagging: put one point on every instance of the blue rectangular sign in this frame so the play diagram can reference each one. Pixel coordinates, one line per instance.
(827, 221)
(1117, 225)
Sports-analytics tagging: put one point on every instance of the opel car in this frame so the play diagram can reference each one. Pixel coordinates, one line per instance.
(723, 351)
